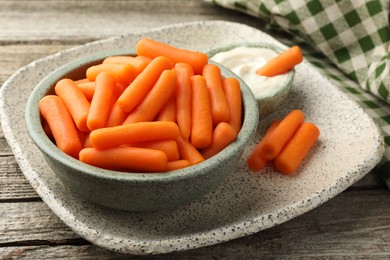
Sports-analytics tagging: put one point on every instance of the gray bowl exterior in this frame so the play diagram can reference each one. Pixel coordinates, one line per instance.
(271, 102)
(136, 191)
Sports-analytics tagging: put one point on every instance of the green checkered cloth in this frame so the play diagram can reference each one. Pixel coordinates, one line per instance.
(347, 40)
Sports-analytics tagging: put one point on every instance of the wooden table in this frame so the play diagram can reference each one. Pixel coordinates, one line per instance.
(355, 224)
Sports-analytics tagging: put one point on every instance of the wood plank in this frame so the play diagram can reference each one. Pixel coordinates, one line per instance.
(14, 57)
(68, 20)
(354, 224)
(13, 184)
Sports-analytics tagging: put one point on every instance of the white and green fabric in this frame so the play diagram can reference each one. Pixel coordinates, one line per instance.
(348, 40)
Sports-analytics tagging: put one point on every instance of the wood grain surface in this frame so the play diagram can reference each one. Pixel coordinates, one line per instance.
(353, 225)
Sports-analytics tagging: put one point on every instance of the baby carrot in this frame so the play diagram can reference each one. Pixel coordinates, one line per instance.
(151, 48)
(84, 80)
(168, 111)
(202, 124)
(125, 158)
(184, 73)
(75, 102)
(282, 63)
(88, 89)
(143, 83)
(116, 116)
(137, 132)
(223, 135)
(176, 165)
(61, 125)
(255, 160)
(219, 105)
(188, 151)
(124, 73)
(102, 100)
(282, 134)
(231, 87)
(138, 62)
(297, 148)
(155, 99)
(169, 147)
(46, 127)
(120, 59)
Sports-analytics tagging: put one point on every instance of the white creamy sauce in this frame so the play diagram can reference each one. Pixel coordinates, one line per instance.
(245, 61)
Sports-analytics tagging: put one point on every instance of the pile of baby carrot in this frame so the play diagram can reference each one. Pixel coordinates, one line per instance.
(163, 109)
(286, 143)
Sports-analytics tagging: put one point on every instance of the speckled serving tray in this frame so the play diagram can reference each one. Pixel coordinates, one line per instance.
(350, 145)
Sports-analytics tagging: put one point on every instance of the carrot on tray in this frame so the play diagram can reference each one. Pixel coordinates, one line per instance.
(255, 160)
(125, 158)
(75, 101)
(143, 83)
(219, 106)
(282, 63)
(297, 148)
(151, 48)
(232, 90)
(184, 72)
(61, 125)
(102, 100)
(151, 105)
(124, 73)
(137, 132)
(202, 124)
(282, 134)
(223, 135)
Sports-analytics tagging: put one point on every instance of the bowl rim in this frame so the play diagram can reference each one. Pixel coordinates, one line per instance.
(289, 75)
(47, 147)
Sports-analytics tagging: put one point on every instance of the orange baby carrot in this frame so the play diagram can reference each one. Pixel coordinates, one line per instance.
(138, 132)
(188, 151)
(219, 106)
(84, 80)
(184, 72)
(231, 88)
(46, 128)
(176, 165)
(120, 59)
(75, 102)
(282, 134)
(88, 89)
(255, 160)
(102, 100)
(87, 141)
(139, 62)
(223, 135)
(116, 116)
(143, 83)
(124, 73)
(282, 63)
(151, 48)
(125, 158)
(297, 148)
(202, 124)
(168, 111)
(155, 99)
(61, 125)
(169, 147)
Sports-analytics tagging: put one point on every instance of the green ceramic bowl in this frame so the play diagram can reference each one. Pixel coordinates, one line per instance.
(130, 190)
(271, 100)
